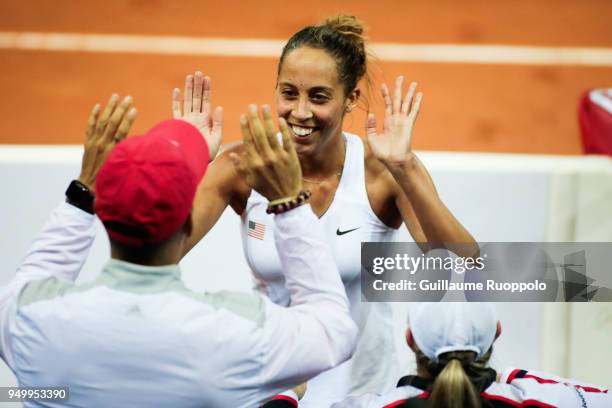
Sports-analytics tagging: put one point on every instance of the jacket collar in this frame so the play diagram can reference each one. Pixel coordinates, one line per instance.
(427, 384)
(136, 278)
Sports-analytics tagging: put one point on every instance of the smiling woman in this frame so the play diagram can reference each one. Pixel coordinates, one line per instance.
(360, 191)
(313, 102)
(318, 73)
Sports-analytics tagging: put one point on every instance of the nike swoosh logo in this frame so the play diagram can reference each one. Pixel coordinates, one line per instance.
(338, 232)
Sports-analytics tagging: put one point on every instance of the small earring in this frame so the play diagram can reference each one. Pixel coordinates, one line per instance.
(349, 108)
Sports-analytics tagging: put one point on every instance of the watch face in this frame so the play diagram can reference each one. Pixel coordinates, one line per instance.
(76, 188)
(81, 186)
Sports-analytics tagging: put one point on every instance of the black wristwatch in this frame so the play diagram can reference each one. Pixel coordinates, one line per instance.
(79, 195)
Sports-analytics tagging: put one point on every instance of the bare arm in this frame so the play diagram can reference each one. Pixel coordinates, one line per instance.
(425, 215)
(221, 182)
(220, 187)
(417, 200)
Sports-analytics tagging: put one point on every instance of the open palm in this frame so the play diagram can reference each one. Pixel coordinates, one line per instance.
(197, 110)
(393, 145)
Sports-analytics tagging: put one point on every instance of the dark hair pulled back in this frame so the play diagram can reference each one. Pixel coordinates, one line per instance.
(342, 38)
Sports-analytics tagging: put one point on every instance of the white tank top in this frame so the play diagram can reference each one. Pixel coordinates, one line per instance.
(347, 223)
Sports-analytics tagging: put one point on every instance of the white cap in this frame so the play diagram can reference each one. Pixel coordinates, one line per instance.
(439, 328)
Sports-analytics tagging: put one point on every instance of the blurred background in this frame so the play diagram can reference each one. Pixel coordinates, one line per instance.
(498, 129)
(59, 58)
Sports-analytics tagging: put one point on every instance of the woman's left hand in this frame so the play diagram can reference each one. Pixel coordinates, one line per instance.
(393, 145)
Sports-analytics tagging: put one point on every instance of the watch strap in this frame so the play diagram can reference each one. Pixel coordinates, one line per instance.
(79, 195)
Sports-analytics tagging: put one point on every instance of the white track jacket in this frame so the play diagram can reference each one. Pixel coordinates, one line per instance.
(137, 337)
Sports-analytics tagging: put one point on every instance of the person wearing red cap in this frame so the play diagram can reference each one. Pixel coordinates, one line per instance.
(453, 343)
(136, 336)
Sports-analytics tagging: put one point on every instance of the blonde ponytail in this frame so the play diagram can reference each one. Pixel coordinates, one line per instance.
(453, 388)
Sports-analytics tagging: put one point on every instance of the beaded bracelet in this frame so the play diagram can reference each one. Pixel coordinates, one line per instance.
(288, 203)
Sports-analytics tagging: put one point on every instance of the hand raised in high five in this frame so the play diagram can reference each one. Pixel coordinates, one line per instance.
(197, 110)
(102, 134)
(393, 145)
(269, 168)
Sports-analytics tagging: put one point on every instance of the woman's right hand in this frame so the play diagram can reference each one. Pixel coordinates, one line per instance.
(197, 110)
(271, 169)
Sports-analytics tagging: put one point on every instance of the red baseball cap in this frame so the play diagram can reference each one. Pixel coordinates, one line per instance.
(146, 186)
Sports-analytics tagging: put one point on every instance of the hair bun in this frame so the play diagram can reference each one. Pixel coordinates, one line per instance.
(341, 37)
(346, 24)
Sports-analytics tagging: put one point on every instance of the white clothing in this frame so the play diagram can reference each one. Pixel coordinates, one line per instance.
(136, 337)
(516, 388)
(347, 223)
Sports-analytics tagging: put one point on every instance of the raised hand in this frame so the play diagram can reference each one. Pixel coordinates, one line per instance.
(103, 133)
(197, 110)
(269, 168)
(393, 145)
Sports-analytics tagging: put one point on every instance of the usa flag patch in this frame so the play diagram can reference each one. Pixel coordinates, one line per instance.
(256, 230)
